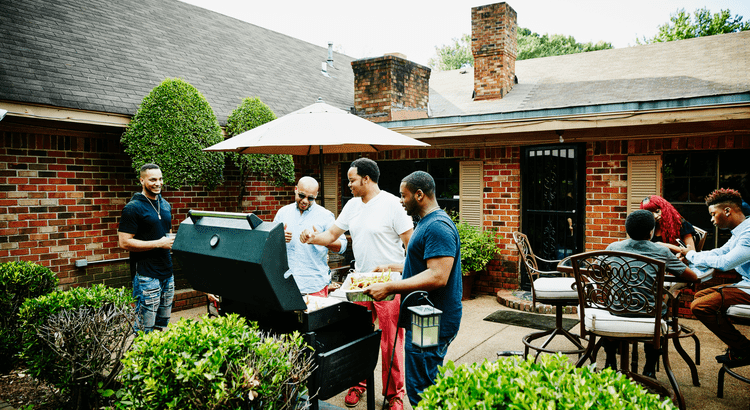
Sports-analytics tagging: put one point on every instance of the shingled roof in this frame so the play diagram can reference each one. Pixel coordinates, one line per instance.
(700, 67)
(105, 56)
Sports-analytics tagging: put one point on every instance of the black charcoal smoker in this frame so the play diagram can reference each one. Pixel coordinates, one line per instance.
(243, 259)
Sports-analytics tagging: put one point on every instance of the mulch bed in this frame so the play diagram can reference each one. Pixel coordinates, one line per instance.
(20, 390)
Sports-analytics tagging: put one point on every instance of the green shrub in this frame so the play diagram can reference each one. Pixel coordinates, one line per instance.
(74, 339)
(219, 363)
(251, 113)
(551, 383)
(18, 281)
(478, 246)
(171, 127)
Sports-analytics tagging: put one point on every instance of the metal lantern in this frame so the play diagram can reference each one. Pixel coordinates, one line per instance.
(425, 325)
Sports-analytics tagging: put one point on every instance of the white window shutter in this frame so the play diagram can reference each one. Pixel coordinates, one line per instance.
(644, 179)
(471, 192)
(331, 188)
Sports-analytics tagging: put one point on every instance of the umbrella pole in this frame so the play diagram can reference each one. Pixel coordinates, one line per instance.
(320, 165)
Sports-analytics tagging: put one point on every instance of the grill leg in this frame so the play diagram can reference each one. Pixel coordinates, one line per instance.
(370, 392)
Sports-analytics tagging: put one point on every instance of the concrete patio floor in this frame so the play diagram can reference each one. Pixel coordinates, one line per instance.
(478, 340)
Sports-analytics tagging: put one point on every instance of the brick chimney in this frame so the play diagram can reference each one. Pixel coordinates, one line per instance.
(390, 88)
(494, 46)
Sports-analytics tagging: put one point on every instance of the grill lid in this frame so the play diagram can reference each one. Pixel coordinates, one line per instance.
(239, 257)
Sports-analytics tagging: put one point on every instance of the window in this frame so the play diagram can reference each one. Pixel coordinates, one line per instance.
(444, 171)
(690, 176)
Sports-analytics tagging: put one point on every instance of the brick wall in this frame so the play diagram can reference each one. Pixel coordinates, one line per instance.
(62, 193)
(494, 46)
(390, 88)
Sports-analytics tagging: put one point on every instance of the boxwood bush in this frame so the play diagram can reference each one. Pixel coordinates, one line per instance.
(551, 383)
(18, 281)
(218, 363)
(74, 340)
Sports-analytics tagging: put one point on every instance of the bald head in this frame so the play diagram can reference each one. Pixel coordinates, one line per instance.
(305, 193)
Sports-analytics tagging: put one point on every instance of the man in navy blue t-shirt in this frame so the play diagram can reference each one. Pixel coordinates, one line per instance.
(146, 220)
(433, 264)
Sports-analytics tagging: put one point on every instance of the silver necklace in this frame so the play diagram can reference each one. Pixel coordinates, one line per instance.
(432, 210)
(157, 210)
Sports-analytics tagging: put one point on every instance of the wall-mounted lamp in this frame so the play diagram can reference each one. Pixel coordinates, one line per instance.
(559, 134)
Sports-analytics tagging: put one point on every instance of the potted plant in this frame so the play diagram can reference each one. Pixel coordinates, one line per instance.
(478, 248)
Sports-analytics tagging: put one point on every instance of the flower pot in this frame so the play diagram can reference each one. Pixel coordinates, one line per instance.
(467, 282)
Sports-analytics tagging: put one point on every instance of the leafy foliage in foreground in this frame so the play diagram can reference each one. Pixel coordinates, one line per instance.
(551, 383)
(19, 281)
(74, 340)
(218, 363)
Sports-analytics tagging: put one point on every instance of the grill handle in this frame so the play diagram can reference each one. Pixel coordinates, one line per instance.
(252, 219)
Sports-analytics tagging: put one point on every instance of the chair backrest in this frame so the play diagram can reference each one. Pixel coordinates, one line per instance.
(623, 283)
(526, 255)
(701, 239)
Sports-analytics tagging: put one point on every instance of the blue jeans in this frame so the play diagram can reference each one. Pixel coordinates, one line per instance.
(154, 299)
(422, 366)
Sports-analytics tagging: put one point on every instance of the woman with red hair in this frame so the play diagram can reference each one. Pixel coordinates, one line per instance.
(671, 228)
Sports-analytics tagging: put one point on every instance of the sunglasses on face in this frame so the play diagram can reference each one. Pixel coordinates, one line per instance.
(303, 196)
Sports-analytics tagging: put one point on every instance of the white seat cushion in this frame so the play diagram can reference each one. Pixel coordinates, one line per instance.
(555, 288)
(739, 311)
(602, 322)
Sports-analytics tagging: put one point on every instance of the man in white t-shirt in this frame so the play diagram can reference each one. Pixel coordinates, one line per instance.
(380, 230)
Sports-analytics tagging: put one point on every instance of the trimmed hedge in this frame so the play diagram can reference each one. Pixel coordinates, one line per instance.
(73, 339)
(19, 281)
(551, 383)
(217, 363)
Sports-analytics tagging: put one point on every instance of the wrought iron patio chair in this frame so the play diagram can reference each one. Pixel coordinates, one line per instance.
(621, 299)
(549, 287)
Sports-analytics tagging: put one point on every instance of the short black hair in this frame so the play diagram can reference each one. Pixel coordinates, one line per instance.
(639, 224)
(146, 167)
(366, 168)
(420, 180)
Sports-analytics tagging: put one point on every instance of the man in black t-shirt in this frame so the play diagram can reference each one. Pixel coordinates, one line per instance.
(144, 225)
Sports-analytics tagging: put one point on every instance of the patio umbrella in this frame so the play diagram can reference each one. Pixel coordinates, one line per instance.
(319, 129)
(316, 129)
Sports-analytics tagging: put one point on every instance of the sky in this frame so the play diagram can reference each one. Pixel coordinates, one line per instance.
(415, 27)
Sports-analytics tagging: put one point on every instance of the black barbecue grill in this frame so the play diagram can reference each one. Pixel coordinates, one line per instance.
(243, 259)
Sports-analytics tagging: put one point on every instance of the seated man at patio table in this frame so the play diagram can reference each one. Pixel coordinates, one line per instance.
(640, 228)
(725, 207)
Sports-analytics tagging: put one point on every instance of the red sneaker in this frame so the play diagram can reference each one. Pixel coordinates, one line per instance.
(396, 404)
(352, 398)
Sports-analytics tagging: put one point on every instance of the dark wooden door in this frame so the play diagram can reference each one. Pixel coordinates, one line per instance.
(553, 201)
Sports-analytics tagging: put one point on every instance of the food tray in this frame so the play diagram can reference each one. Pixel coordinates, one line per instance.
(356, 295)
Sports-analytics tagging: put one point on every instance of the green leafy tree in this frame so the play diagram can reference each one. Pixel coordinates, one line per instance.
(530, 45)
(453, 56)
(171, 127)
(251, 113)
(681, 26)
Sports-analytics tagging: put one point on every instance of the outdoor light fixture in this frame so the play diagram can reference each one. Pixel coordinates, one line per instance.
(425, 325)
(2, 113)
(422, 318)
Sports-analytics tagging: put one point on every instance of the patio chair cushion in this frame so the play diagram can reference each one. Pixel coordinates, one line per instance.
(742, 311)
(602, 322)
(555, 288)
